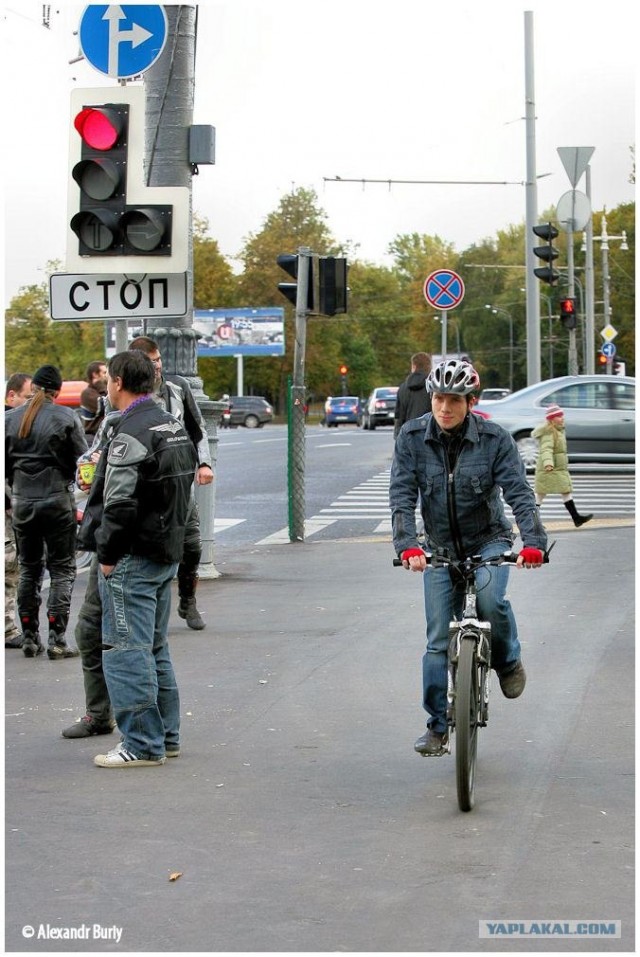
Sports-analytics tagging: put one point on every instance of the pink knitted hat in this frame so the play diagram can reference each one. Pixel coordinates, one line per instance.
(554, 412)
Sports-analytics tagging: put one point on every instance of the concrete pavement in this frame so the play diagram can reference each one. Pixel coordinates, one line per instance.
(298, 816)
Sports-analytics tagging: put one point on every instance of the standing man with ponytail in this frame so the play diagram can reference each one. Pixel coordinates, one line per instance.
(42, 443)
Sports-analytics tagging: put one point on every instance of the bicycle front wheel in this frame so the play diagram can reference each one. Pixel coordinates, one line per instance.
(467, 709)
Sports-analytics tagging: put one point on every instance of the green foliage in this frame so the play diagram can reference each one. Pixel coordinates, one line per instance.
(388, 317)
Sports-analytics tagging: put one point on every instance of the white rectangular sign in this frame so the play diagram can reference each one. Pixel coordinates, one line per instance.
(80, 297)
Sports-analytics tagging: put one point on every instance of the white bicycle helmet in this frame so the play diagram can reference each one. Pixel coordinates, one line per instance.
(453, 376)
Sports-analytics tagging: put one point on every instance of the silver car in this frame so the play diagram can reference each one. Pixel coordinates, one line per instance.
(599, 413)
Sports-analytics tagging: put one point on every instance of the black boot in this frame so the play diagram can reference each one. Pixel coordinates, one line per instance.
(187, 609)
(31, 644)
(578, 520)
(58, 647)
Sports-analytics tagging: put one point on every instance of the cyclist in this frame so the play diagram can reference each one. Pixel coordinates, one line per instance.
(455, 464)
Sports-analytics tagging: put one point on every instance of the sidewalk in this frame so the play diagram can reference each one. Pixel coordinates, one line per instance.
(298, 816)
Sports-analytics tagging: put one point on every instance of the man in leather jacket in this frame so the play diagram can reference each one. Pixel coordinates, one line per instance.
(175, 395)
(135, 520)
(455, 464)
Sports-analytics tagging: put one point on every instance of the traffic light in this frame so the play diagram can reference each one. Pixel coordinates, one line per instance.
(116, 223)
(289, 263)
(333, 286)
(344, 370)
(548, 253)
(568, 313)
(602, 359)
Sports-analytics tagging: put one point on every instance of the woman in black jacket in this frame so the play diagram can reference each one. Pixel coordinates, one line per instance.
(42, 444)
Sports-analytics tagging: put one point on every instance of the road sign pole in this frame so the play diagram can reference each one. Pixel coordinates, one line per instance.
(443, 348)
(297, 424)
(573, 352)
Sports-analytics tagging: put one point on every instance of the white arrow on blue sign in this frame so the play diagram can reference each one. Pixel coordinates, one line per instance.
(608, 350)
(123, 41)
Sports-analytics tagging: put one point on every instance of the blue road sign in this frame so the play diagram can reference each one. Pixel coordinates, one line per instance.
(123, 42)
(608, 350)
(443, 289)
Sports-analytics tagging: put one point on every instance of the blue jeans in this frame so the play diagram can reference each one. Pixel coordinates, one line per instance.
(443, 601)
(136, 599)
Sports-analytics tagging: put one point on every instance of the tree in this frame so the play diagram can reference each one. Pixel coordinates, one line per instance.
(214, 284)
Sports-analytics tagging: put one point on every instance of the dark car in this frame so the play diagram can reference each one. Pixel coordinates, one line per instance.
(252, 411)
(342, 410)
(380, 407)
(599, 413)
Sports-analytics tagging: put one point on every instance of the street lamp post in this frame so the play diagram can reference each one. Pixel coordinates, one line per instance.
(497, 311)
(604, 238)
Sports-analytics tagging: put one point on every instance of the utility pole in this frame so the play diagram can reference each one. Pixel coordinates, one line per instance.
(297, 423)
(534, 370)
(169, 86)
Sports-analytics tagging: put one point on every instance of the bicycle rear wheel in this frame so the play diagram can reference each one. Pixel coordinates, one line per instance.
(467, 705)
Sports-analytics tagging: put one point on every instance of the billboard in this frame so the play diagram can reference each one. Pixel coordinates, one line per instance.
(240, 332)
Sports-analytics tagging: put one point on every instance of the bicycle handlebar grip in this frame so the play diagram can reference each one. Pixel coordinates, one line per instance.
(397, 562)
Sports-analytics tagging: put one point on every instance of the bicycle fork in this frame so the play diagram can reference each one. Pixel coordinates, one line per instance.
(469, 629)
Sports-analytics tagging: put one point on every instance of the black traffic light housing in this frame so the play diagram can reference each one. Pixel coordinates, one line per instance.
(104, 223)
(333, 286)
(327, 286)
(548, 253)
(289, 263)
(568, 313)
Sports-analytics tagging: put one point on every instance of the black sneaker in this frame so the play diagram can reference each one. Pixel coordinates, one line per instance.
(512, 683)
(432, 743)
(15, 642)
(86, 727)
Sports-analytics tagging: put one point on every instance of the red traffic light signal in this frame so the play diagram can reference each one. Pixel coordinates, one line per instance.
(568, 313)
(116, 222)
(343, 370)
(602, 360)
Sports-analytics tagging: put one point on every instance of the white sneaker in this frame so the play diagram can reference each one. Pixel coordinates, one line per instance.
(121, 758)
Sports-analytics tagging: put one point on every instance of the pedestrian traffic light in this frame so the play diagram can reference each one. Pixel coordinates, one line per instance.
(333, 286)
(548, 253)
(116, 223)
(289, 263)
(568, 313)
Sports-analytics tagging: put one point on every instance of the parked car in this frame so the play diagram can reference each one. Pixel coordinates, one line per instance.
(342, 410)
(380, 407)
(70, 393)
(252, 411)
(490, 395)
(599, 413)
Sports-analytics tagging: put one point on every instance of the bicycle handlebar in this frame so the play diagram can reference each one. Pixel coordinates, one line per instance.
(506, 558)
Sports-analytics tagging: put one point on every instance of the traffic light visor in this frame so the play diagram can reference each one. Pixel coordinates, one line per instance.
(546, 231)
(99, 128)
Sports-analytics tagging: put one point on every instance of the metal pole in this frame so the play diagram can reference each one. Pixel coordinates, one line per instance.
(605, 282)
(443, 347)
(533, 300)
(510, 352)
(590, 330)
(573, 353)
(297, 438)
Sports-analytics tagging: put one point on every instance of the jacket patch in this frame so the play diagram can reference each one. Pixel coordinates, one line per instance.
(118, 450)
(166, 427)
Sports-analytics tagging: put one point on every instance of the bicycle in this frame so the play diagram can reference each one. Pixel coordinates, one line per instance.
(469, 664)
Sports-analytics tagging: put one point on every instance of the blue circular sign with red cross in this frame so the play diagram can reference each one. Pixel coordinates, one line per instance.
(444, 289)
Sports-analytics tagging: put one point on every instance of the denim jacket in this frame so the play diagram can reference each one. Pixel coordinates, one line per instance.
(461, 511)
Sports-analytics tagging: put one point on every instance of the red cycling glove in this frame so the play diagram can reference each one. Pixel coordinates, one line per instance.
(411, 553)
(531, 555)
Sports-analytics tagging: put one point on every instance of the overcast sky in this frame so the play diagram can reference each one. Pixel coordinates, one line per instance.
(410, 89)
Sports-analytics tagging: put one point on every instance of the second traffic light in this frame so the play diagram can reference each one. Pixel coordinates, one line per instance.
(116, 223)
(548, 253)
(568, 313)
(326, 287)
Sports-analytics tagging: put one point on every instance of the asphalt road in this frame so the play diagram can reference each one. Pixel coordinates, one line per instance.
(299, 816)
